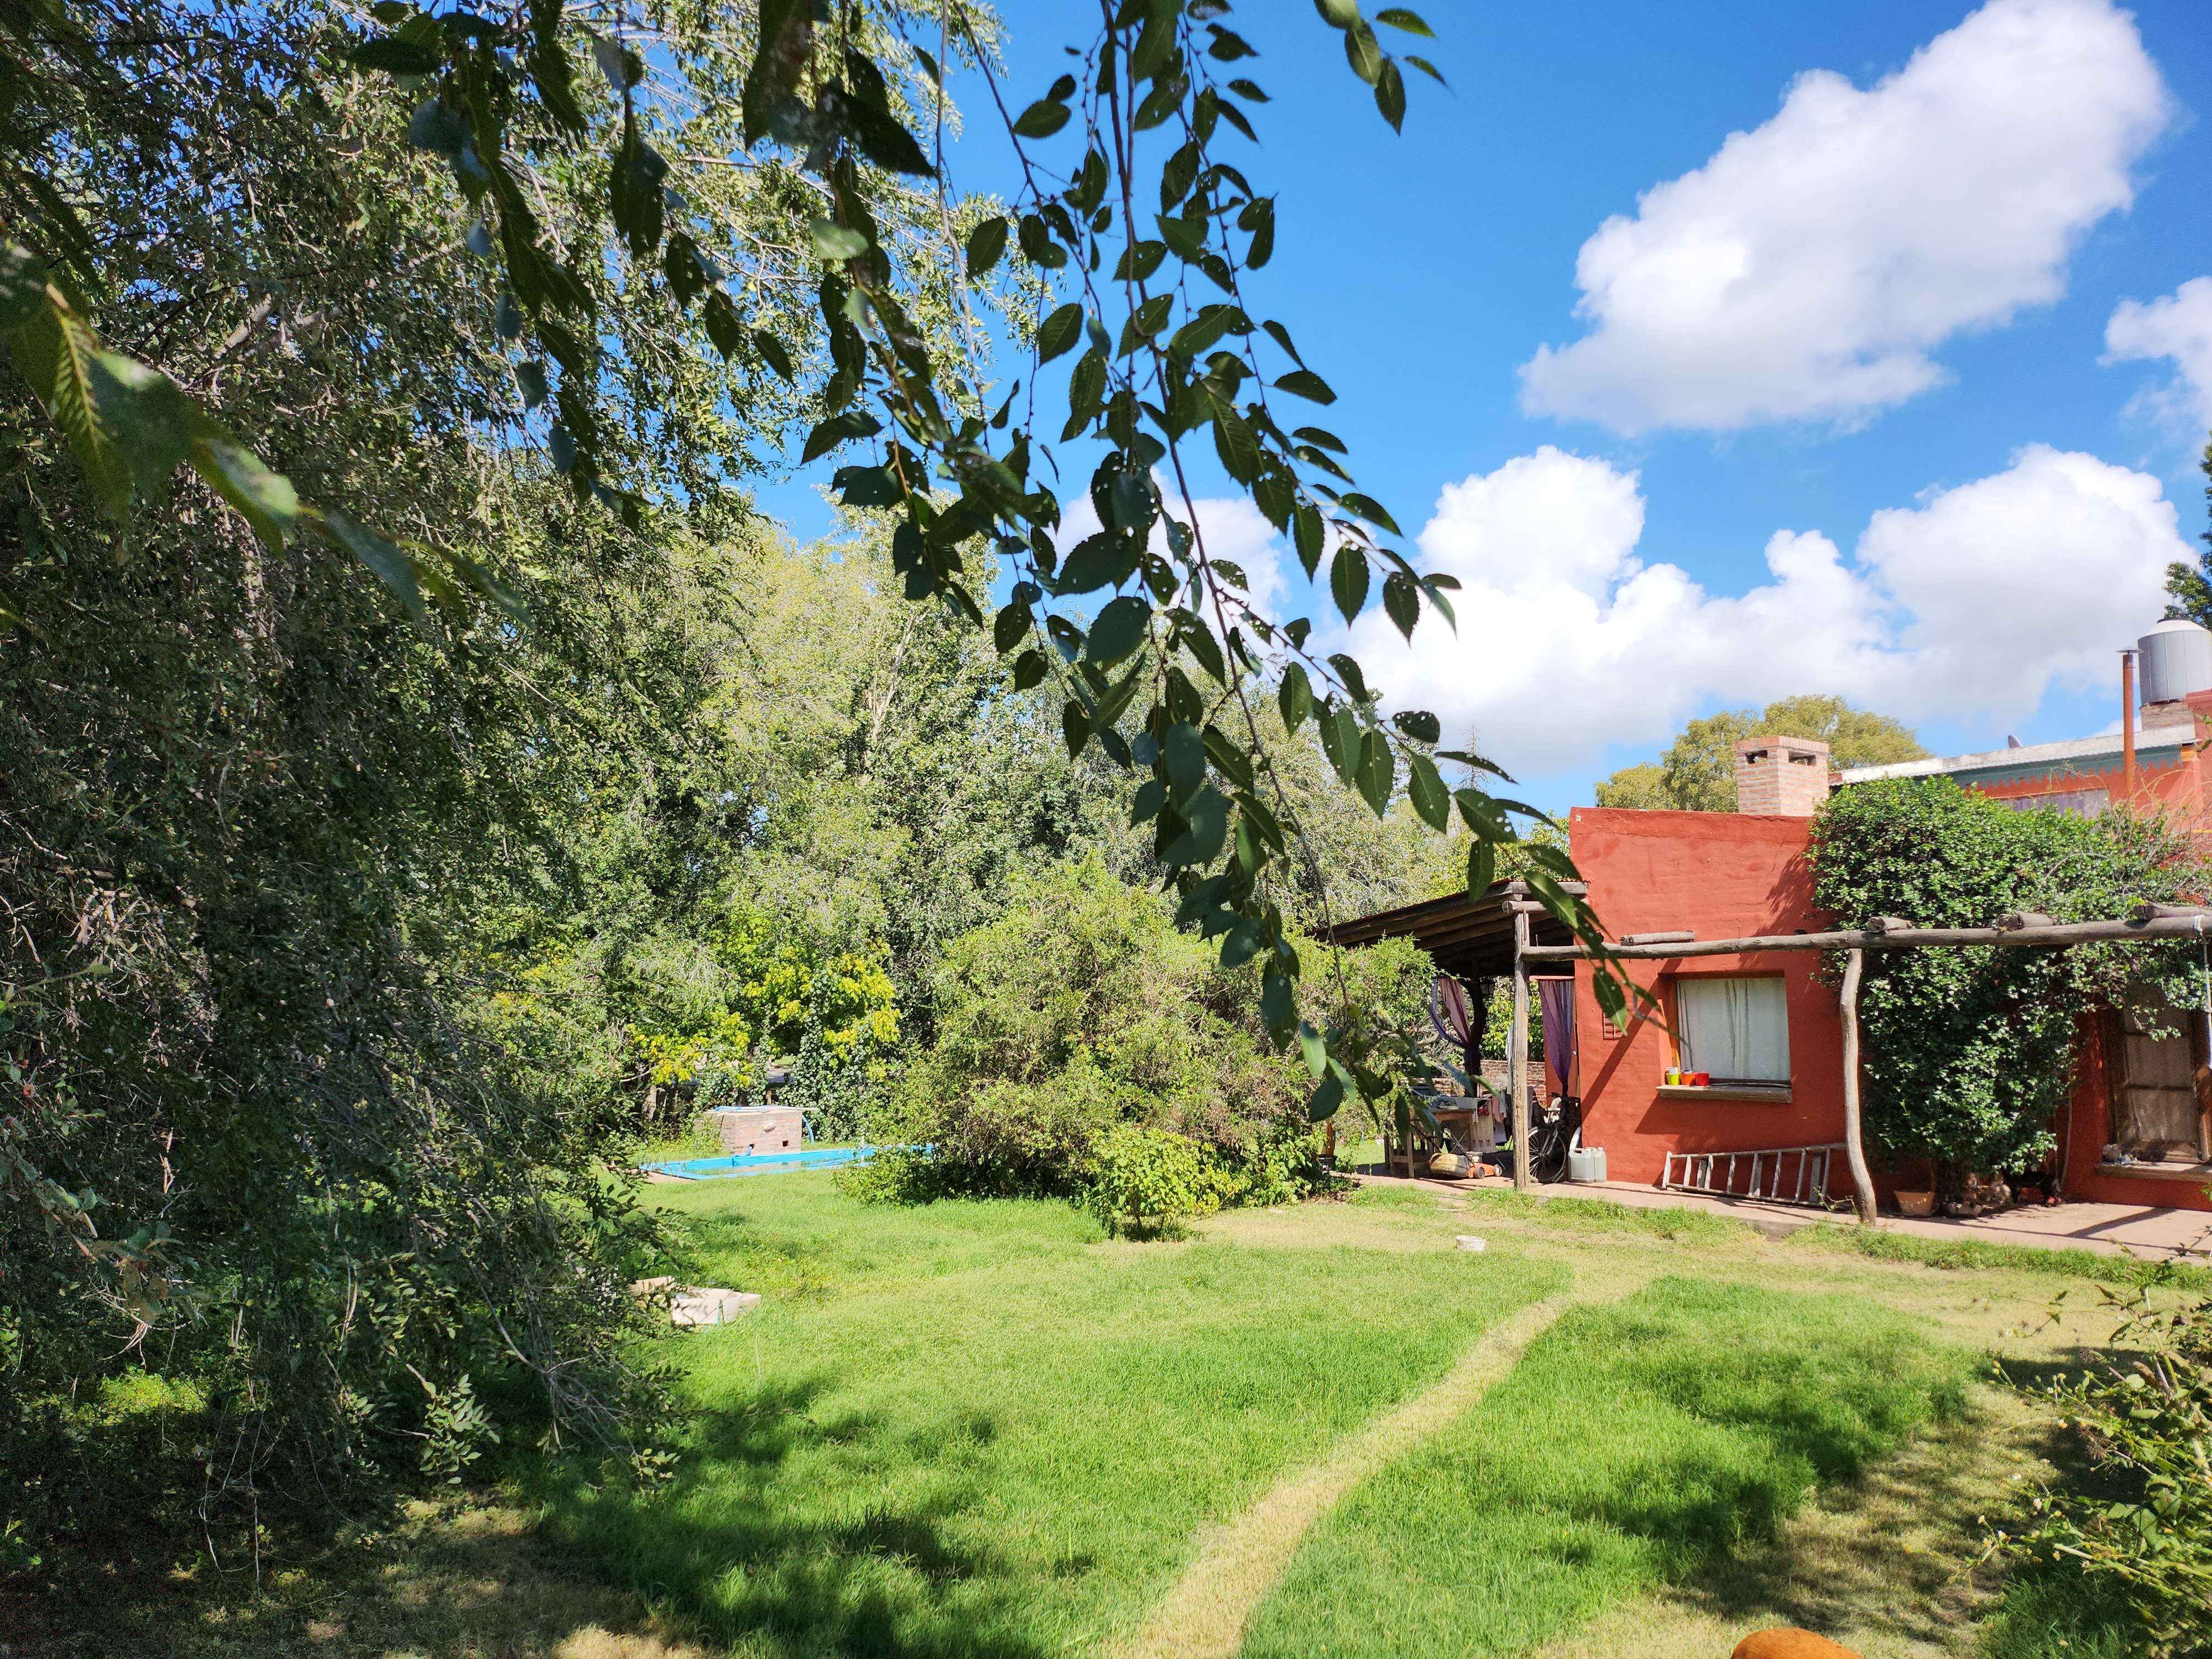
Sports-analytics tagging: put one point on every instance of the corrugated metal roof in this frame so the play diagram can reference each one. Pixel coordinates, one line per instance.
(2034, 759)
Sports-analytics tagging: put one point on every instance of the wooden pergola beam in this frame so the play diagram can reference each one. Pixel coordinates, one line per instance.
(2186, 925)
(2020, 928)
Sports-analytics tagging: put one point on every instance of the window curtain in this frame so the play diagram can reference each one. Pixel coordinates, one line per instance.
(1557, 999)
(1737, 1030)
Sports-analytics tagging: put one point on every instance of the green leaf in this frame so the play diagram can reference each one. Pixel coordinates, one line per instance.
(1029, 669)
(1340, 741)
(1074, 727)
(834, 242)
(1278, 1003)
(867, 486)
(1481, 866)
(1059, 332)
(22, 285)
(1244, 942)
(987, 243)
(1207, 814)
(884, 142)
(129, 425)
(1183, 756)
(1233, 440)
(1119, 630)
(1390, 95)
(1041, 120)
(1370, 510)
(389, 565)
(1347, 581)
(773, 353)
(1438, 76)
(1325, 1100)
(723, 327)
(1308, 533)
(1313, 1049)
(1363, 52)
(1097, 561)
(838, 429)
(1249, 91)
(1418, 724)
(1401, 601)
(1430, 799)
(1304, 383)
(1295, 695)
(780, 58)
(1399, 18)
(265, 500)
(393, 56)
(1377, 772)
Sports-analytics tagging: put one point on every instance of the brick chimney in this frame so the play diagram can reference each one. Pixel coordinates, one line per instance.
(1779, 777)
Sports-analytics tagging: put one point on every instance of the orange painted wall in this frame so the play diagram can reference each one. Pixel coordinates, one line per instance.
(1723, 875)
(1720, 874)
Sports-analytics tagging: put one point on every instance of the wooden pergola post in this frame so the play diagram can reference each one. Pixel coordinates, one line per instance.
(1516, 1059)
(1854, 1149)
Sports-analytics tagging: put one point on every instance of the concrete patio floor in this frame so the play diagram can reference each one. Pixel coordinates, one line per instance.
(2143, 1232)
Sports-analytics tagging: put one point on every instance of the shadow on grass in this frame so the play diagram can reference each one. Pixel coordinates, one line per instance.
(1897, 1551)
(719, 1551)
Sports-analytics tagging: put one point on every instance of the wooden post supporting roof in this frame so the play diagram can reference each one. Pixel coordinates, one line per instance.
(1517, 1055)
(1854, 1144)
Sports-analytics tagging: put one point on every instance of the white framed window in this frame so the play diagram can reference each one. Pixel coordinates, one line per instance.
(1736, 1030)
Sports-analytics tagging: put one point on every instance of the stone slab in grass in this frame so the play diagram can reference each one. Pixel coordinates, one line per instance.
(699, 1305)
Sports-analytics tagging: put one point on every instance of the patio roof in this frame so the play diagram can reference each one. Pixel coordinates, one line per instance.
(1470, 937)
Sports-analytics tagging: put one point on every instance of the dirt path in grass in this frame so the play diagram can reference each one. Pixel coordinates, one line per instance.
(1203, 1615)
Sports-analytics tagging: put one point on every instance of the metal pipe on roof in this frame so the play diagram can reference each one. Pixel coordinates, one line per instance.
(2128, 725)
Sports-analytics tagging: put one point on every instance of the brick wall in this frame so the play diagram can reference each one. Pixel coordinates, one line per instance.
(1781, 777)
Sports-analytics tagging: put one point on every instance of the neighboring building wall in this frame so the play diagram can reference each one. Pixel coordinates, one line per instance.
(1722, 875)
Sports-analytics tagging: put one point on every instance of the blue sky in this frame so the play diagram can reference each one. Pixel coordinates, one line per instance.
(1876, 321)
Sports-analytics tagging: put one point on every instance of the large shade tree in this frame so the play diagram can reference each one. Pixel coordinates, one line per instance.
(352, 372)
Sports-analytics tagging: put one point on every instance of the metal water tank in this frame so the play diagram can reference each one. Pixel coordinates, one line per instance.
(2176, 660)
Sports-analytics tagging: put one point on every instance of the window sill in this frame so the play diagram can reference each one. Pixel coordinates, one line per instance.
(1777, 1094)
(2162, 1170)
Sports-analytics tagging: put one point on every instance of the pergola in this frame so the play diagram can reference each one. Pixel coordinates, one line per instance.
(1504, 931)
(2020, 929)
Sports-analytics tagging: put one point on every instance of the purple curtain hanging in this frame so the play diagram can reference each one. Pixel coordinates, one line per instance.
(1556, 996)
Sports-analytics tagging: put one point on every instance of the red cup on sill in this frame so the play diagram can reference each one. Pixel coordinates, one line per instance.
(1702, 1079)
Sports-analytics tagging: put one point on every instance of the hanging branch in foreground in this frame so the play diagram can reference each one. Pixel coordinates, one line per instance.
(1136, 207)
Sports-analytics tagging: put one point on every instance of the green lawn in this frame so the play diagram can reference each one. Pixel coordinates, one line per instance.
(976, 1430)
(982, 1431)
(1633, 1445)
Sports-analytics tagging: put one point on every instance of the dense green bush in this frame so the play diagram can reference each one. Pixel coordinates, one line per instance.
(1969, 1052)
(1150, 1180)
(1083, 1008)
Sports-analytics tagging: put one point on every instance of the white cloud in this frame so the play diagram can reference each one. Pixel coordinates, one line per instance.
(1807, 270)
(2179, 326)
(1967, 606)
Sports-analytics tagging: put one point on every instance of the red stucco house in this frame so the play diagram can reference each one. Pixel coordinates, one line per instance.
(1769, 1026)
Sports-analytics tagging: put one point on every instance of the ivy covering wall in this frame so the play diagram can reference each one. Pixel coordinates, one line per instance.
(1970, 1052)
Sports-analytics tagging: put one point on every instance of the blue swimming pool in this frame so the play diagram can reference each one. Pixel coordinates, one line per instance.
(750, 1164)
